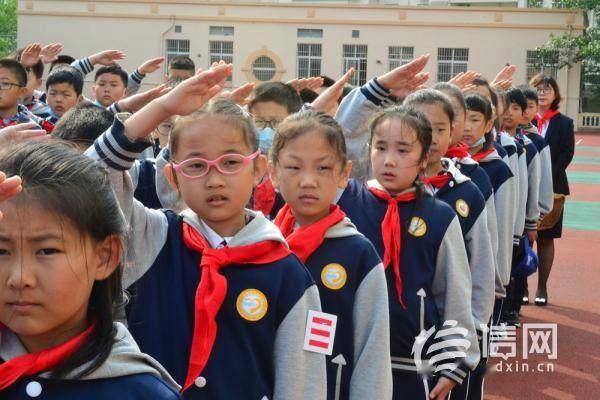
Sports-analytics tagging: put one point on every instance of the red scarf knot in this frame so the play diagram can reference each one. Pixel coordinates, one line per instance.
(461, 150)
(483, 154)
(548, 115)
(391, 233)
(438, 181)
(305, 240)
(212, 289)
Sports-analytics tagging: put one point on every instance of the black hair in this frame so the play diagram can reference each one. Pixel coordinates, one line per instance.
(224, 110)
(483, 82)
(431, 96)
(66, 74)
(76, 189)
(306, 121)
(308, 96)
(452, 91)
(114, 69)
(515, 95)
(529, 93)
(61, 59)
(327, 81)
(182, 62)
(83, 123)
(547, 81)
(277, 92)
(16, 69)
(479, 103)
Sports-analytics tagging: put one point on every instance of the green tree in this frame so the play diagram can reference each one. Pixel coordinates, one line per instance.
(8, 26)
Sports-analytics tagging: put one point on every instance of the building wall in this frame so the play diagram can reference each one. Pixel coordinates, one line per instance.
(494, 36)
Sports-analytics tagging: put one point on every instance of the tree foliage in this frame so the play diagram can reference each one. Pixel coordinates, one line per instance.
(8, 26)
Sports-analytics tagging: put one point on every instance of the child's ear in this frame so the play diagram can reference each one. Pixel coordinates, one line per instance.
(22, 92)
(126, 93)
(171, 177)
(260, 168)
(489, 125)
(345, 175)
(80, 99)
(273, 175)
(109, 256)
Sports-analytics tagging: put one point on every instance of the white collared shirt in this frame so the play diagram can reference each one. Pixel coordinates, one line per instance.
(215, 240)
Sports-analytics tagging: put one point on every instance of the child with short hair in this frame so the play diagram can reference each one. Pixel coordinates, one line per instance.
(110, 85)
(420, 241)
(60, 277)
(64, 88)
(180, 68)
(345, 265)
(216, 286)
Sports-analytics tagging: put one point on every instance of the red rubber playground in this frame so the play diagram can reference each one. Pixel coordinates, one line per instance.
(571, 368)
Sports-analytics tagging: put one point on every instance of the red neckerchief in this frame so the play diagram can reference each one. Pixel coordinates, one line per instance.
(391, 233)
(34, 363)
(461, 150)
(305, 240)
(483, 154)
(213, 288)
(548, 115)
(438, 181)
(264, 197)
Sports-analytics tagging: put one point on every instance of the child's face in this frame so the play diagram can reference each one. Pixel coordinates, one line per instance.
(475, 127)
(268, 113)
(10, 98)
(33, 83)
(47, 271)
(62, 97)
(163, 131)
(512, 117)
(309, 180)
(109, 88)
(218, 199)
(179, 74)
(440, 134)
(458, 126)
(531, 111)
(396, 156)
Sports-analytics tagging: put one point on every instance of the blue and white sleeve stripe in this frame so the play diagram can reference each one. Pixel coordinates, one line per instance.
(137, 76)
(83, 65)
(116, 150)
(376, 93)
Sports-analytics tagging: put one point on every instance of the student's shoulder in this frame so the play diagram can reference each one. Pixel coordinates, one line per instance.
(360, 248)
(538, 140)
(435, 210)
(481, 179)
(145, 386)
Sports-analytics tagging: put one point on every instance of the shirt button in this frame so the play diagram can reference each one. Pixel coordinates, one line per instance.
(451, 184)
(33, 389)
(200, 381)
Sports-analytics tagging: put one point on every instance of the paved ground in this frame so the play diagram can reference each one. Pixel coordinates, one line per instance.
(574, 300)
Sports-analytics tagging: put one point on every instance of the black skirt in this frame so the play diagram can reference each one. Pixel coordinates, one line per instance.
(556, 231)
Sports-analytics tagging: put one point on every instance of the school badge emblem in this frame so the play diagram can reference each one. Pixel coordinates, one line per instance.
(417, 227)
(334, 276)
(462, 208)
(252, 304)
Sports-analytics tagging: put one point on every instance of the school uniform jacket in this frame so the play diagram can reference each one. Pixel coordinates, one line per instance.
(532, 157)
(463, 196)
(253, 356)
(561, 140)
(352, 285)
(434, 270)
(546, 196)
(503, 183)
(518, 167)
(127, 374)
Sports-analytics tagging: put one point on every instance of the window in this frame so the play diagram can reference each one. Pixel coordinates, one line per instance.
(220, 51)
(221, 30)
(178, 29)
(355, 34)
(176, 47)
(535, 65)
(451, 62)
(263, 68)
(309, 60)
(398, 56)
(310, 33)
(355, 55)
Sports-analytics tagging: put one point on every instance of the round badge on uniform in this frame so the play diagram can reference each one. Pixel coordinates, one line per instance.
(417, 227)
(334, 276)
(252, 304)
(462, 208)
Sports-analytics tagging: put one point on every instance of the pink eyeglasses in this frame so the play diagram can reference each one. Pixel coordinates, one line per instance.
(227, 164)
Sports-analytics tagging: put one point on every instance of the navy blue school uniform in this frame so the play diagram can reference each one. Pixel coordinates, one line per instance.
(127, 374)
(145, 191)
(432, 251)
(503, 152)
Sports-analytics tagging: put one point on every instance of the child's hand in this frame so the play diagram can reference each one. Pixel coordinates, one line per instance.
(9, 187)
(106, 57)
(17, 133)
(403, 80)
(191, 94)
(311, 83)
(442, 388)
(135, 103)
(31, 55)
(329, 98)
(240, 95)
(504, 84)
(464, 79)
(532, 236)
(504, 74)
(149, 66)
(50, 52)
